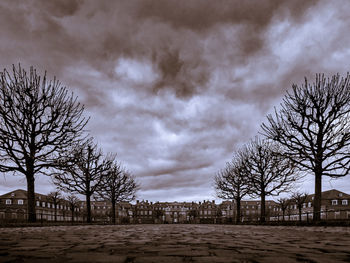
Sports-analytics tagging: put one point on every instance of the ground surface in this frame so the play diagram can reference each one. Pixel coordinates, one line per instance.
(174, 243)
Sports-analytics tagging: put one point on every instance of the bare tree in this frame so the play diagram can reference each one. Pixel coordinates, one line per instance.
(55, 198)
(159, 213)
(82, 172)
(118, 185)
(73, 204)
(313, 125)
(268, 171)
(39, 119)
(231, 183)
(283, 204)
(193, 214)
(299, 199)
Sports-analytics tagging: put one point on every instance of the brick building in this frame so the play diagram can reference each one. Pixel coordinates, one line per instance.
(13, 206)
(334, 205)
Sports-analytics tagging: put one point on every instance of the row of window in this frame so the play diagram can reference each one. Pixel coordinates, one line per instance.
(49, 205)
(43, 204)
(343, 202)
(205, 212)
(309, 204)
(19, 202)
(144, 212)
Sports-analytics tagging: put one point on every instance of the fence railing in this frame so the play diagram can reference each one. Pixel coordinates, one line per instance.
(326, 214)
(47, 218)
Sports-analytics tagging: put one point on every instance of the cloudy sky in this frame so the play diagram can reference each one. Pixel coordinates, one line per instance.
(175, 87)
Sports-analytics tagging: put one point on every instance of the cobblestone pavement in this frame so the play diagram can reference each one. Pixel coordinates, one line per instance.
(175, 243)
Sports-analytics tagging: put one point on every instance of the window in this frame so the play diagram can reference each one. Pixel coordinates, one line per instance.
(48, 205)
(309, 204)
(43, 204)
(12, 194)
(150, 212)
(37, 203)
(340, 194)
(209, 212)
(8, 201)
(334, 202)
(20, 202)
(344, 202)
(304, 205)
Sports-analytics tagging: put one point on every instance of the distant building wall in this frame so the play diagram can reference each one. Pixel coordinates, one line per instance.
(13, 207)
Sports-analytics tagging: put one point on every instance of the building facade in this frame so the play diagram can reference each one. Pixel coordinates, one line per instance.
(13, 207)
(335, 205)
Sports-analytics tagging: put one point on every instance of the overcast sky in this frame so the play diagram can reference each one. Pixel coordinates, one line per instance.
(175, 87)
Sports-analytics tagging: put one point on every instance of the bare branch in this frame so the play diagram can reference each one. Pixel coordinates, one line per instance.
(39, 120)
(313, 126)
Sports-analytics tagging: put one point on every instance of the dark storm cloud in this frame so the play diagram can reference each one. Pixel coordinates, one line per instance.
(181, 75)
(203, 14)
(60, 8)
(175, 87)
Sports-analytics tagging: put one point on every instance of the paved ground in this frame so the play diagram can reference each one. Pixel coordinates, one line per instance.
(175, 243)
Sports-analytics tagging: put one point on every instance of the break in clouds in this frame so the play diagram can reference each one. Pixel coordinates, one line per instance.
(175, 87)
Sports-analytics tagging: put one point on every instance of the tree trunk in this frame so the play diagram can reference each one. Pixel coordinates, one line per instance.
(55, 212)
(262, 208)
(300, 214)
(113, 212)
(238, 212)
(72, 209)
(31, 199)
(88, 209)
(317, 199)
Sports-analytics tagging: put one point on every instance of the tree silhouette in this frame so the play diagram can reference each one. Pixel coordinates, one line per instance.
(82, 172)
(116, 186)
(313, 125)
(159, 213)
(231, 183)
(283, 204)
(55, 198)
(73, 202)
(269, 173)
(299, 199)
(39, 120)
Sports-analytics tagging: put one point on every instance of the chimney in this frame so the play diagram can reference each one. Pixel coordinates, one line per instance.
(213, 202)
(137, 201)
